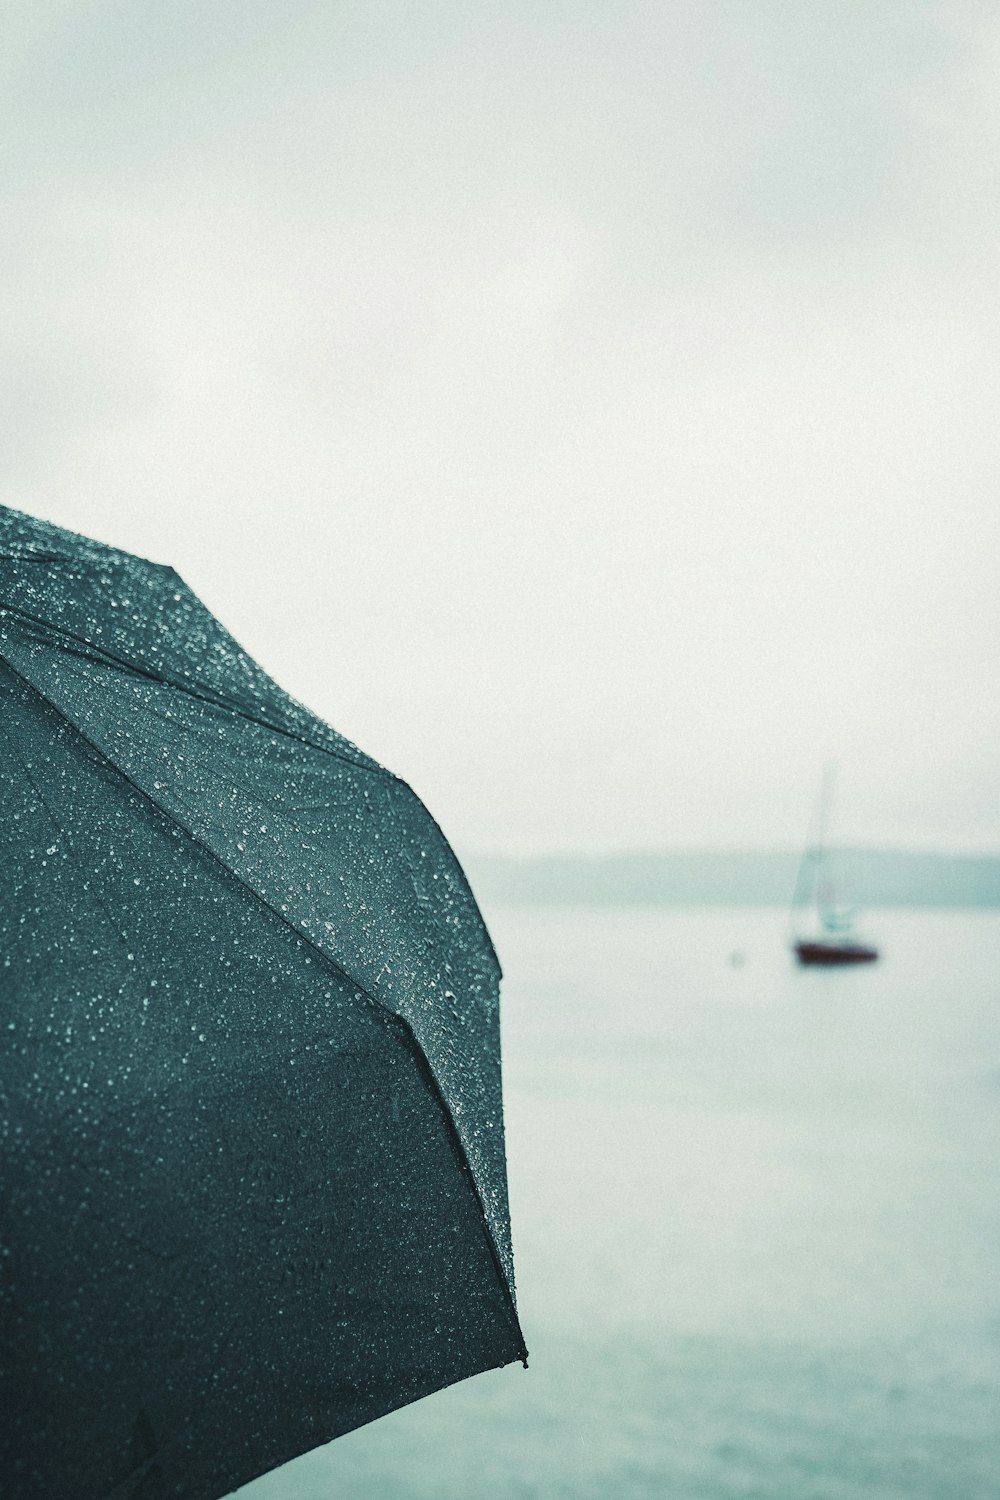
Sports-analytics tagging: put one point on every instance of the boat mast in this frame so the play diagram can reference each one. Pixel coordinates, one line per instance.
(807, 880)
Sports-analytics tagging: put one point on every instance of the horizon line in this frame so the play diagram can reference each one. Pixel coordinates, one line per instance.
(667, 850)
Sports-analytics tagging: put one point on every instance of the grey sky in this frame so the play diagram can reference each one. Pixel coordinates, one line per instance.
(590, 409)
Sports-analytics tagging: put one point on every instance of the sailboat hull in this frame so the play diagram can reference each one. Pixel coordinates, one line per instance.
(816, 951)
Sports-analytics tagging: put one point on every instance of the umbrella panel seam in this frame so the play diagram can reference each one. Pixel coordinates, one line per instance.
(342, 973)
(206, 695)
(115, 662)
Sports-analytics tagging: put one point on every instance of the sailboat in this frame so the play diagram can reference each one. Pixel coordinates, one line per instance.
(836, 942)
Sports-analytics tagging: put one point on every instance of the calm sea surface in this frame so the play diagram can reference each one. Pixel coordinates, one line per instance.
(756, 1222)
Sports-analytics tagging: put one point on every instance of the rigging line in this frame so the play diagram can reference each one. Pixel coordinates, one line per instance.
(807, 878)
(341, 972)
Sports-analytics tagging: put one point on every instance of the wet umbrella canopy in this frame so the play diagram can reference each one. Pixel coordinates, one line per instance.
(254, 1176)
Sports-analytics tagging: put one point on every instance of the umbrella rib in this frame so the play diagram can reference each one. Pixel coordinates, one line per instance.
(404, 786)
(420, 1055)
(430, 1078)
(64, 832)
(136, 1475)
(218, 700)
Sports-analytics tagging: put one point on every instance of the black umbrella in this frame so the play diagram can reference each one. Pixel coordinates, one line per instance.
(254, 1175)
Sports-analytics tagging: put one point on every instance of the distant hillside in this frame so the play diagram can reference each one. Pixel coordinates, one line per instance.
(871, 877)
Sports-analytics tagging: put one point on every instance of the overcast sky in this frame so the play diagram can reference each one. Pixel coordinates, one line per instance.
(590, 408)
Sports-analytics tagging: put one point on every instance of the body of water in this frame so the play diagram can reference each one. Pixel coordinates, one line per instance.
(756, 1224)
